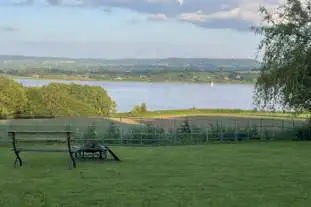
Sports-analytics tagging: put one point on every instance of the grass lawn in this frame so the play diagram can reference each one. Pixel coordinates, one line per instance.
(275, 174)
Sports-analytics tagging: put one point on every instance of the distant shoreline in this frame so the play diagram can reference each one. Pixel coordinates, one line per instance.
(122, 81)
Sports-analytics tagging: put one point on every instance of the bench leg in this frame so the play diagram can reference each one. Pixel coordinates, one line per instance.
(73, 161)
(18, 159)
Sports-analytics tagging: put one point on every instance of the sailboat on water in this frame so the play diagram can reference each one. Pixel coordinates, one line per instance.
(212, 84)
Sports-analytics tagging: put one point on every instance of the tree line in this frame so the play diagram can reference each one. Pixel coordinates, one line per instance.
(55, 99)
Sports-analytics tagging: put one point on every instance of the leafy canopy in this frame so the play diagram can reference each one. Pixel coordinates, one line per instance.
(285, 77)
(55, 99)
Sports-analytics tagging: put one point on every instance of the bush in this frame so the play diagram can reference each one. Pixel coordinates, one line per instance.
(4, 113)
(190, 134)
(304, 132)
(90, 136)
(146, 135)
(113, 134)
(139, 109)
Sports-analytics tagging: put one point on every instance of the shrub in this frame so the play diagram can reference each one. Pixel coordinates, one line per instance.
(146, 135)
(304, 132)
(113, 134)
(188, 133)
(139, 109)
(90, 136)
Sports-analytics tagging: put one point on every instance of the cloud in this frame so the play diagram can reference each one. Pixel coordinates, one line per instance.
(158, 17)
(181, 2)
(234, 14)
(8, 29)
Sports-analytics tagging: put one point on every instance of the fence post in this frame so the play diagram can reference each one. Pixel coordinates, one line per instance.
(236, 131)
(191, 138)
(175, 136)
(156, 136)
(261, 132)
(221, 135)
(248, 129)
(103, 138)
(121, 136)
(206, 136)
(283, 126)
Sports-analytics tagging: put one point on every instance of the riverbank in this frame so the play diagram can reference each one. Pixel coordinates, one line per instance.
(76, 78)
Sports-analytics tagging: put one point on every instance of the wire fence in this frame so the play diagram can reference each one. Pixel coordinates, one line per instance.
(160, 131)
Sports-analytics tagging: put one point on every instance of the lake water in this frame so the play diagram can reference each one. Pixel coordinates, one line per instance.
(161, 96)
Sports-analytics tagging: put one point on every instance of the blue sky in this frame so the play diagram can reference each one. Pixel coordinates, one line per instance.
(130, 28)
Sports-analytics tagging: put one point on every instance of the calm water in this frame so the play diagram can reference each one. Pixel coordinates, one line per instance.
(159, 96)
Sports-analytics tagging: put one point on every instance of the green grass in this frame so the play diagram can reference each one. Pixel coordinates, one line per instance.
(275, 174)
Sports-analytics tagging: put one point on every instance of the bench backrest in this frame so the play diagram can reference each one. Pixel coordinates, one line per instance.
(42, 136)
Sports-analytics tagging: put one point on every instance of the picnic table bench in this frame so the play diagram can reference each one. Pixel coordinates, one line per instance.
(73, 151)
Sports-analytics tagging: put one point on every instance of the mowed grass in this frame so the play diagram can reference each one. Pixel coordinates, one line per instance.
(271, 174)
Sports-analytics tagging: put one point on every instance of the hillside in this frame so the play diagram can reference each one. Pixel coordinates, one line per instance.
(123, 65)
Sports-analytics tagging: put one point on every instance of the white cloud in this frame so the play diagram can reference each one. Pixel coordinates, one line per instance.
(157, 1)
(181, 2)
(246, 10)
(158, 17)
(205, 13)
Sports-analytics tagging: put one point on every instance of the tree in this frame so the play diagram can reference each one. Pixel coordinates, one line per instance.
(47, 101)
(143, 108)
(139, 109)
(12, 96)
(95, 96)
(285, 77)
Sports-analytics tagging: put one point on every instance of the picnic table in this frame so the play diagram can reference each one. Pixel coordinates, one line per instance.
(93, 151)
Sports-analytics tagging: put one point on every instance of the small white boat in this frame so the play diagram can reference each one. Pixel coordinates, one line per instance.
(212, 84)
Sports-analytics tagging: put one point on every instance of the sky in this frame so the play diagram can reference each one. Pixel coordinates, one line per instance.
(130, 28)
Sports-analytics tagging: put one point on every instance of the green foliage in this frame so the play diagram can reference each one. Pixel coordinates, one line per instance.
(146, 135)
(94, 96)
(12, 96)
(139, 109)
(304, 132)
(4, 113)
(53, 100)
(285, 77)
(113, 134)
(90, 136)
(188, 133)
(46, 101)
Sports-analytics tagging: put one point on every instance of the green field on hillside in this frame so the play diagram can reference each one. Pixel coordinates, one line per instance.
(273, 174)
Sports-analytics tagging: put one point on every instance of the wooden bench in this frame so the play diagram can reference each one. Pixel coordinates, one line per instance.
(67, 138)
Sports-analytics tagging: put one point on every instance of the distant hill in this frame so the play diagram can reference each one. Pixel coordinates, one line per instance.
(179, 64)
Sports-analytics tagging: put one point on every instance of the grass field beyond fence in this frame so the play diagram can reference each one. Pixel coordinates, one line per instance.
(274, 174)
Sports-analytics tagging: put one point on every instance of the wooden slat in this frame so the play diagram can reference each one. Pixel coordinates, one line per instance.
(43, 150)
